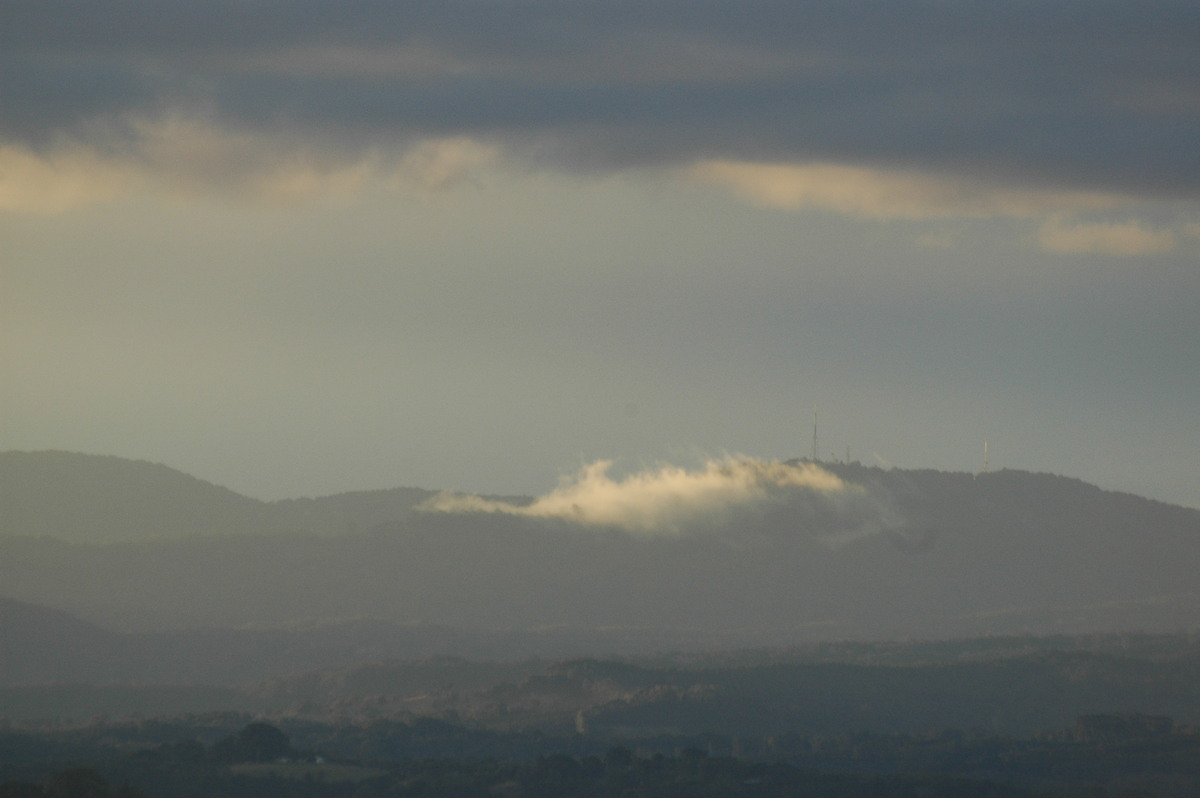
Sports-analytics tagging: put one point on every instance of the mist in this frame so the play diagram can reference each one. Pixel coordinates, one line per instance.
(720, 495)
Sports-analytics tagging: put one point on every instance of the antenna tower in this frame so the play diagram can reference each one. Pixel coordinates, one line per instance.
(814, 451)
(985, 456)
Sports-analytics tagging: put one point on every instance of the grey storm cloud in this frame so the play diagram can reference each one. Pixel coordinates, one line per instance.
(1098, 95)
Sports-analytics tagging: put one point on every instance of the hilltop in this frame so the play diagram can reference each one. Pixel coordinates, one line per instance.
(88, 498)
(867, 553)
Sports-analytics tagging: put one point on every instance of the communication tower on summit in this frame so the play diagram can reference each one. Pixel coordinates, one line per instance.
(814, 451)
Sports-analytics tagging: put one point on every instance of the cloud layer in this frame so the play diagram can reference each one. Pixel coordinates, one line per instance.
(1083, 96)
(672, 500)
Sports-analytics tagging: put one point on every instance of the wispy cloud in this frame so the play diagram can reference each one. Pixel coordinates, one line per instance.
(914, 196)
(58, 180)
(1124, 238)
(672, 500)
(440, 164)
(192, 156)
(887, 194)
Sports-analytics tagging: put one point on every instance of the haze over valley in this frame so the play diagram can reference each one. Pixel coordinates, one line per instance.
(405, 398)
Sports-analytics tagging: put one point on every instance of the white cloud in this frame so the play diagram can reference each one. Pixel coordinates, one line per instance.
(190, 157)
(64, 178)
(1125, 238)
(440, 164)
(886, 194)
(672, 500)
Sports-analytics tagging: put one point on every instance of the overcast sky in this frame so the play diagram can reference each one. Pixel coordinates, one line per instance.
(297, 248)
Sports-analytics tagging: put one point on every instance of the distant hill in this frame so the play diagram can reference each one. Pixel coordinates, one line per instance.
(42, 647)
(57, 667)
(41, 644)
(906, 553)
(355, 511)
(103, 499)
(1010, 685)
(99, 499)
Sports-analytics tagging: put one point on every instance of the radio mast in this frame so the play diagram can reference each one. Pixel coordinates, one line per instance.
(814, 451)
(985, 456)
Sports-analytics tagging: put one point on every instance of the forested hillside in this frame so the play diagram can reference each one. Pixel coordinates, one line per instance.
(890, 553)
(103, 499)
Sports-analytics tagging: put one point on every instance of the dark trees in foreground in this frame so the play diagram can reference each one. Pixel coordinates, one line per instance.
(77, 782)
(258, 742)
(1100, 757)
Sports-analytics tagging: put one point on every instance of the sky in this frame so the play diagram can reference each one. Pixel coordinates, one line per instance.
(298, 248)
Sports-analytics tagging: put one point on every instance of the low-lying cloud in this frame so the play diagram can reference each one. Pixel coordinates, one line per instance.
(670, 500)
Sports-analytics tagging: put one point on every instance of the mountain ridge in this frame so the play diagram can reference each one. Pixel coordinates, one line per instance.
(908, 553)
(93, 498)
(98, 498)
(955, 555)
(266, 615)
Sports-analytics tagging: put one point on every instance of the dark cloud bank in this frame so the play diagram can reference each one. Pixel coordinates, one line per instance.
(1099, 95)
